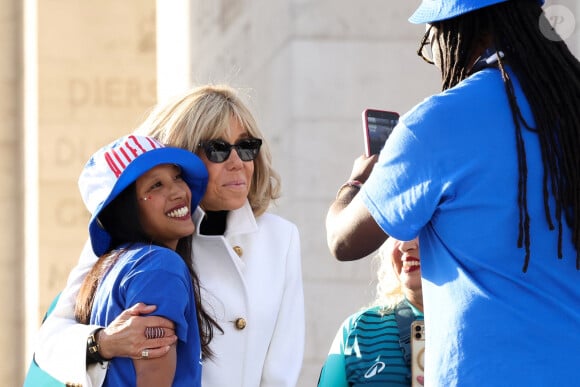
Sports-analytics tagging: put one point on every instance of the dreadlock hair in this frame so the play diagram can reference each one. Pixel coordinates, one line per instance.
(122, 221)
(550, 80)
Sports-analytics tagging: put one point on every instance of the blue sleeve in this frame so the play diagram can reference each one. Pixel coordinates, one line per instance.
(405, 187)
(162, 279)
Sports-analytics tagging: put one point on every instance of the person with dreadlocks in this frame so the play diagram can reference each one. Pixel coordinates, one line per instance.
(486, 174)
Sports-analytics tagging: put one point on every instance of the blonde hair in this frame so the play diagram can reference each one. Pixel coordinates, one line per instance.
(389, 289)
(204, 113)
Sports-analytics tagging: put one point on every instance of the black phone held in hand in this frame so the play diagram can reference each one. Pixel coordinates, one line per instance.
(377, 126)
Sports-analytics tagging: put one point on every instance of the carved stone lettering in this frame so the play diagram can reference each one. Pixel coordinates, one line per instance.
(111, 92)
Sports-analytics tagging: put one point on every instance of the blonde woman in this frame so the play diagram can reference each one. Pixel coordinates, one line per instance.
(366, 349)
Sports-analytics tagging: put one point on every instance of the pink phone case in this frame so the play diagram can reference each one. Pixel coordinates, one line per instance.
(417, 351)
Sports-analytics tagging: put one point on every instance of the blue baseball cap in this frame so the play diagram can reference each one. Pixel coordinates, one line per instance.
(431, 11)
(117, 165)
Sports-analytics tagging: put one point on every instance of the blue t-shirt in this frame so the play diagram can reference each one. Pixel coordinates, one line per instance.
(366, 351)
(449, 174)
(152, 275)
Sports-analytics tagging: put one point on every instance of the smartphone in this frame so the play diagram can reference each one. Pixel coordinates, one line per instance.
(417, 351)
(377, 126)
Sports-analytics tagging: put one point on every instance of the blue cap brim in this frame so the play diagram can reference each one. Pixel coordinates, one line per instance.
(193, 171)
(430, 11)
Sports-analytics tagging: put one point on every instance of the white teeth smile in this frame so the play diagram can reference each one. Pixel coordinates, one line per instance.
(179, 213)
(411, 263)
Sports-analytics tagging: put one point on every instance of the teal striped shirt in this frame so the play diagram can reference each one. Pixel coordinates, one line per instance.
(366, 351)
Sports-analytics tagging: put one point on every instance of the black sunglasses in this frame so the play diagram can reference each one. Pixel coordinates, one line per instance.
(218, 151)
(425, 50)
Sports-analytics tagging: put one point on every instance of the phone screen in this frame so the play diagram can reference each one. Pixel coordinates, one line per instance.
(377, 126)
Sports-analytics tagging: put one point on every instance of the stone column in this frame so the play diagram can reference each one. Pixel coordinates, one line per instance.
(11, 204)
(96, 79)
(307, 69)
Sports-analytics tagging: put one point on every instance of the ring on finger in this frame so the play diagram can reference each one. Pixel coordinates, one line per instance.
(145, 354)
(154, 332)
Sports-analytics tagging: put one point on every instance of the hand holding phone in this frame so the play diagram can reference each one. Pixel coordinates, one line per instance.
(417, 351)
(377, 126)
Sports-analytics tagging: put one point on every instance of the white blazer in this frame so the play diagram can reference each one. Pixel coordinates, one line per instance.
(251, 280)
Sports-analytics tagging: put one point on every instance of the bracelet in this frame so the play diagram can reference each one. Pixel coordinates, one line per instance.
(351, 183)
(93, 347)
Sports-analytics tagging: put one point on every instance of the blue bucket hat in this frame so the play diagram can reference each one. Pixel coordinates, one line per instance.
(431, 11)
(116, 166)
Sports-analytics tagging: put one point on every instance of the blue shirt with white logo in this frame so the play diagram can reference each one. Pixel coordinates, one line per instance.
(366, 351)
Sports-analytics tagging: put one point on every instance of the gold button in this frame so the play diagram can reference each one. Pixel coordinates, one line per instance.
(238, 250)
(240, 323)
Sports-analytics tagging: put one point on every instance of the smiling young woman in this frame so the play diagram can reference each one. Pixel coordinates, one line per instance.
(140, 194)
